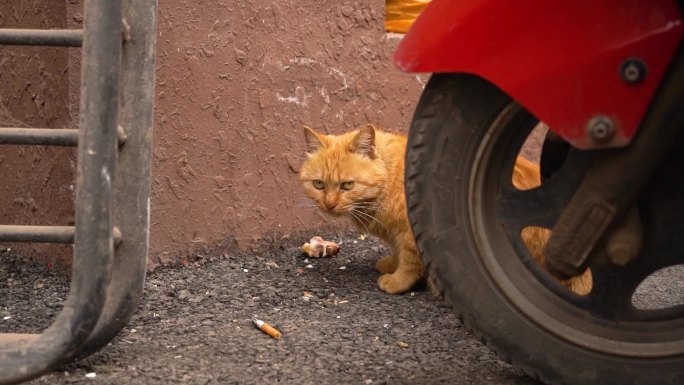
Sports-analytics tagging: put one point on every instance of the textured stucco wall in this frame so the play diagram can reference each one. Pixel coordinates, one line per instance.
(36, 181)
(236, 80)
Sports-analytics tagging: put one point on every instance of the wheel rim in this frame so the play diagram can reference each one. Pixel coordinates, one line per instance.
(497, 213)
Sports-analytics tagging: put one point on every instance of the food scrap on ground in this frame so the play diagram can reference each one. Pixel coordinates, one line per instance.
(318, 247)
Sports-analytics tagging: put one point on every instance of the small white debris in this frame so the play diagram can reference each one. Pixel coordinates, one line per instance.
(386, 326)
(177, 356)
(355, 241)
(305, 299)
(7, 317)
(306, 260)
(245, 270)
(338, 317)
(368, 381)
(343, 302)
(91, 375)
(133, 330)
(343, 267)
(309, 266)
(362, 237)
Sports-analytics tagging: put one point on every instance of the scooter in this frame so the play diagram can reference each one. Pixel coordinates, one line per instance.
(607, 79)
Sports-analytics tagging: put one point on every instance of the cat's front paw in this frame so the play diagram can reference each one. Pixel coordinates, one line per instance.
(396, 283)
(386, 265)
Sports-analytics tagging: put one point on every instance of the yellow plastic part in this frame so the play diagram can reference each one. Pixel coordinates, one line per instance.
(400, 14)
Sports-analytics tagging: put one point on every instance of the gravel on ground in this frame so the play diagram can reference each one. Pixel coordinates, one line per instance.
(193, 324)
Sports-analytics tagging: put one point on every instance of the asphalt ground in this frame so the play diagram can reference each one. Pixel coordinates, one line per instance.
(193, 324)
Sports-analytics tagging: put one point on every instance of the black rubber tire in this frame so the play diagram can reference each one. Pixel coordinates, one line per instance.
(453, 118)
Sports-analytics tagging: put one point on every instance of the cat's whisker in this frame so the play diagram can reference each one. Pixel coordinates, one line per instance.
(365, 204)
(365, 218)
(366, 215)
(368, 203)
(374, 207)
(307, 205)
(355, 216)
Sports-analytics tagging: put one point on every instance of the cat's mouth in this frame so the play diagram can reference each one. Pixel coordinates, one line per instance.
(338, 211)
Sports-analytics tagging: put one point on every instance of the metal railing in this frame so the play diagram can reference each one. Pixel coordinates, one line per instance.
(111, 229)
(42, 37)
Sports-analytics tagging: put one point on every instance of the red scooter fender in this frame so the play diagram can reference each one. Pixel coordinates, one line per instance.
(574, 65)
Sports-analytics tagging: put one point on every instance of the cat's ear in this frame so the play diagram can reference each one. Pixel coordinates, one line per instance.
(314, 141)
(364, 142)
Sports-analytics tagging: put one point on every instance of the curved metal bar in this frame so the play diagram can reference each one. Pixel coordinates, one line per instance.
(132, 206)
(94, 242)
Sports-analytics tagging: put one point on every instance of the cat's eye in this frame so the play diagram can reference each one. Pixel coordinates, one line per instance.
(319, 184)
(347, 185)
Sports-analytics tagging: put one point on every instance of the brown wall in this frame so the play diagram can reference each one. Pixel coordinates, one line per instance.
(36, 185)
(236, 80)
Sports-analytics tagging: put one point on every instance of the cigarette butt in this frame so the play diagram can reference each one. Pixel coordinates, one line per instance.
(266, 328)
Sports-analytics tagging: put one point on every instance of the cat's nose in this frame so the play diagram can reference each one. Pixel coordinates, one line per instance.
(330, 202)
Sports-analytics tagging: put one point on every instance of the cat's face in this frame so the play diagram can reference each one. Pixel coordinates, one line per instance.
(342, 173)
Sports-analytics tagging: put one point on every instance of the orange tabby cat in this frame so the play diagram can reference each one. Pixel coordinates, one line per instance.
(360, 174)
